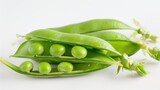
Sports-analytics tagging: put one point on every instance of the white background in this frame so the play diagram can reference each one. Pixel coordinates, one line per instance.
(23, 16)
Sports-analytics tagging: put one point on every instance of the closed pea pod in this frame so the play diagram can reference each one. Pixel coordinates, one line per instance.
(106, 24)
(119, 41)
(109, 35)
(94, 25)
(123, 46)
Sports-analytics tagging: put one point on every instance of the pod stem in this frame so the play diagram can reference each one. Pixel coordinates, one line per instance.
(132, 66)
(146, 35)
(154, 52)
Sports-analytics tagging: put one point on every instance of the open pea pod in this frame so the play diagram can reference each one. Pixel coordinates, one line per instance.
(119, 41)
(74, 39)
(92, 56)
(79, 69)
(94, 25)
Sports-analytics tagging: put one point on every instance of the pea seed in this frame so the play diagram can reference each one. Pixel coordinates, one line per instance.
(26, 66)
(36, 49)
(57, 50)
(44, 68)
(79, 52)
(65, 67)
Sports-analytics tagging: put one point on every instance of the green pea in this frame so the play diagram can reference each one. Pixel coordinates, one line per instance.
(79, 52)
(57, 50)
(65, 67)
(36, 49)
(26, 66)
(44, 67)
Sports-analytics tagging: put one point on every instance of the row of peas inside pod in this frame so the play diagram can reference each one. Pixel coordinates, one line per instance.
(55, 50)
(45, 67)
(81, 48)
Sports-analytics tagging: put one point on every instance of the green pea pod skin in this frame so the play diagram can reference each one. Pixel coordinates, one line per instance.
(79, 69)
(108, 35)
(94, 25)
(76, 39)
(127, 47)
(92, 56)
(119, 41)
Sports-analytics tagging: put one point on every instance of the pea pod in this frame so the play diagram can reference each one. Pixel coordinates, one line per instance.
(106, 24)
(108, 35)
(75, 39)
(94, 25)
(79, 69)
(92, 56)
(119, 41)
(123, 46)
